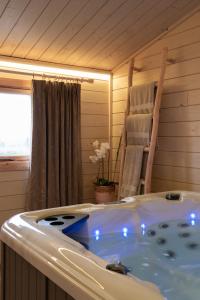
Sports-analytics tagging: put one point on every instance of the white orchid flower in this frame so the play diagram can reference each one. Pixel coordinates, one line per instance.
(95, 144)
(100, 153)
(93, 158)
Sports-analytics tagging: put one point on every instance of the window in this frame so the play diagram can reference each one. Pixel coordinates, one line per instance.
(15, 127)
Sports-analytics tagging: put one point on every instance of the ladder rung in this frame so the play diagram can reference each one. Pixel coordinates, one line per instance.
(146, 149)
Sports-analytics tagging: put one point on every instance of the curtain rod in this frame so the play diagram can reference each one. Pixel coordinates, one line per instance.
(59, 77)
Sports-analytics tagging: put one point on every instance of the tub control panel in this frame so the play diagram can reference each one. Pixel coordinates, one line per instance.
(173, 196)
(64, 223)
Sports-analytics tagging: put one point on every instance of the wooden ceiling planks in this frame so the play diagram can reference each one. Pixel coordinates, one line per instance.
(113, 27)
(85, 15)
(14, 10)
(41, 25)
(59, 25)
(167, 16)
(90, 33)
(31, 14)
(123, 31)
(89, 29)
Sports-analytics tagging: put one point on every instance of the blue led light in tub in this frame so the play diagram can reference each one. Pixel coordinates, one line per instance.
(97, 234)
(125, 231)
(193, 216)
(143, 226)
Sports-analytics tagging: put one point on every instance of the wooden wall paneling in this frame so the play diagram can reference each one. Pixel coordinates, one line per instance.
(194, 97)
(117, 129)
(87, 143)
(94, 120)
(17, 84)
(115, 142)
(186, 144)
(180, 174)
(118, 118)
(150, 30)
(186, 25)
(12, 201)
(119, 106)
(94, 97)
(96, 86)
(161, 185)
(173, 42)
(180, 54)
(173, 71)
(12, 176)
(85, 32)
(155, 124)
(89, 168)
(177, 159)
(94, 123)
(94, 132)
(148, 27)
(93, 108)
(120, 94)
(180, 129)
(174, 100)
(8, 188)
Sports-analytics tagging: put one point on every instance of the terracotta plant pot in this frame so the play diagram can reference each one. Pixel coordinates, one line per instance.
(104, 193)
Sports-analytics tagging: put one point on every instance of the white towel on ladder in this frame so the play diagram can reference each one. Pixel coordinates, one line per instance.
(138, 129)
(132, 170)
(142, 98)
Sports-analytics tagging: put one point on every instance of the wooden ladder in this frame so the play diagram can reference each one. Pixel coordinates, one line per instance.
(150, 149)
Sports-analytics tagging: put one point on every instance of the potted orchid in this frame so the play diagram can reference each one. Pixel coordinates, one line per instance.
(104, 187)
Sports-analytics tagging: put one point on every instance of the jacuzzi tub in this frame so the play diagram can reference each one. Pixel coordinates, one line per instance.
(153, 243)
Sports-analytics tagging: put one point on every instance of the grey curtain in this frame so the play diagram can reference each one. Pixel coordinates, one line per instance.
(55, 178)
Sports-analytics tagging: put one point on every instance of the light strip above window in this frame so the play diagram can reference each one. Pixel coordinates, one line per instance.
(33, 68)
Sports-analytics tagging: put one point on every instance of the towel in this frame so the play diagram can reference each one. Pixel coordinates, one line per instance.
(142, 98)
(138, 129)
(132, 170)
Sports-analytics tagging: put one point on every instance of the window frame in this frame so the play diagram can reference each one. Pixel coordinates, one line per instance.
(19, 162)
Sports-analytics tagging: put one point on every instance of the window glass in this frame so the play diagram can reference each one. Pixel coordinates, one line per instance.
(15, 124)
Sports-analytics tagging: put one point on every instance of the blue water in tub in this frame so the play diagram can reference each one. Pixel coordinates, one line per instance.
(154, 247)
